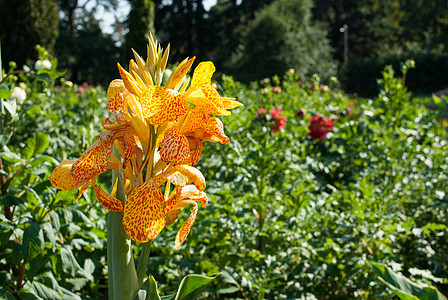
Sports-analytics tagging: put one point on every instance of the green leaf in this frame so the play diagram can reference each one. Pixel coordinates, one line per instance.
(69, 263)
(33, 241)
(403, 287)
(148, 290)
(5, 91)
(10, 156)
(50, 233)
(192, 285)
(10, 200)
(45, 292)
(35, 145)
(35, 110)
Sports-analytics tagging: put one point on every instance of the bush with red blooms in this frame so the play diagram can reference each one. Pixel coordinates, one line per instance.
(319, 127)
(276, 122)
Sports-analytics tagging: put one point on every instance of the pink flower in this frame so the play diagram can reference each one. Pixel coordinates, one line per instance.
(319, 127)
(275, 112)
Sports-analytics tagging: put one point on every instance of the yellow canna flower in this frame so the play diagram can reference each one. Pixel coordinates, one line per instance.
(159, 133)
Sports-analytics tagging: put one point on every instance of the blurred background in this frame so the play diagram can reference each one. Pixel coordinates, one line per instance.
(248, 39)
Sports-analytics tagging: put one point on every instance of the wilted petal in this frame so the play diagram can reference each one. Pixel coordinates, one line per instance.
(95, 160)
(174, 147)
(109, 202)
(193, 174)
(190, 192)
(130, 144)
(178, 179)
(83, 188)
(186, 227)
(144, 215)
(61, 179)
(161, 105)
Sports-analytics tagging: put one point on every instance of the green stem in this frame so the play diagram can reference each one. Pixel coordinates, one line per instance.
(143, 262)
(122, 283)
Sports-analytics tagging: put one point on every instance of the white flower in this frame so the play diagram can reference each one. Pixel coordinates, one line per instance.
(42, 64)
(18, 94)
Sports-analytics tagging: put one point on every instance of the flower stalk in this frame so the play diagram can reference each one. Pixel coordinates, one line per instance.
(122, 281)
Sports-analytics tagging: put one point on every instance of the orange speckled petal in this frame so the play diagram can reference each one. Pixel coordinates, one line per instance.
(195, 151)
(130, 143)
(144, 215)
(109, 202)
(215, 131)
(193, 174)
(205, 128)
(209, 101)
(202, 74)
(195, 119)
(161, 105)
(115, 95)
(95, 160)
(186, 227)
(230, 103)
(60, 177)
(174, 147)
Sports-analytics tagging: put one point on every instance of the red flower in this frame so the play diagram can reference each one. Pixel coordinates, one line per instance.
(279, 124)
(275, 112)
(319, 127)
(312, 87)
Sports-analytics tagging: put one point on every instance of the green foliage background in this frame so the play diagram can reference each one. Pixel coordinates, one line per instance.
(288, 216)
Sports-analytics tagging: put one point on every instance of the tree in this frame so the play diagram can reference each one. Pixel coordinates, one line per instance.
(281, 37)
(228, 21)
(140, 24)
(23, 25)
(183, 23)
(82, 48)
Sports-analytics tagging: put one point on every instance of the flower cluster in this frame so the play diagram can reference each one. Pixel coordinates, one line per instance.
(319, 127)
(158, 134)
(276, 122)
